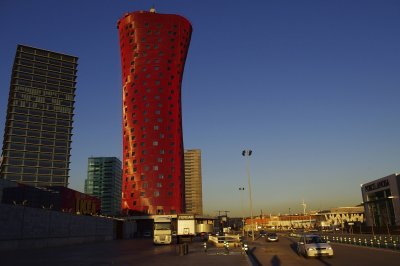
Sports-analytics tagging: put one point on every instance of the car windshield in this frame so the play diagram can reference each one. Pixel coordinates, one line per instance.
(162, 226)
(314, 239)
(271, 234)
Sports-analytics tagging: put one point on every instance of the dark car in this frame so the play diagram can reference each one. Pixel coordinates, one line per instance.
(263, 233)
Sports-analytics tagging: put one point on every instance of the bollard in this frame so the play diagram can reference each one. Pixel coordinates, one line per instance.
(185, 248)
(205, 246)
(180, 250)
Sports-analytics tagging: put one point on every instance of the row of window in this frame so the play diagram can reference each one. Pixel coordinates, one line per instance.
(34, 84)
(142, 160)
(46, 60)
(46, 91)
(34, 170)
(41, 163)
(36, 155)
(31, 178)
(42, 106)
(45, 101)
(38, 65)
(39, 134)
(36, 148)
(37, 141)
(63, 57)
(39, 71)
(43, 79)
(145, 185)
(155, 194)
(39, 127)
(41, 113)
(38, 119)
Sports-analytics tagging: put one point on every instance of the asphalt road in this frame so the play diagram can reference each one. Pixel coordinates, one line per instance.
(284, 253)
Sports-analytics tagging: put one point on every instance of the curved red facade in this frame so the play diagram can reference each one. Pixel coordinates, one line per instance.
(153, 54)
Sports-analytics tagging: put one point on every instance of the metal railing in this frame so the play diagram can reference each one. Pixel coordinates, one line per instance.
(377, 241)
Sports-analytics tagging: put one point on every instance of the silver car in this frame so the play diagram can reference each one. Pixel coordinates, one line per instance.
(272, 237)
(313, 246)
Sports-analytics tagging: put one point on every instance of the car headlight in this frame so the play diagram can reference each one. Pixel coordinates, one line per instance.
(329, 248)
(310, 248)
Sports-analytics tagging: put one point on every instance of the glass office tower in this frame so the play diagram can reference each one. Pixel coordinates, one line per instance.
(38, 130)
(103, 181)
(153, 53)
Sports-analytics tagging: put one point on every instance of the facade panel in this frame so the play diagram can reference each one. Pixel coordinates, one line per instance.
(153, 53)
(38, 130)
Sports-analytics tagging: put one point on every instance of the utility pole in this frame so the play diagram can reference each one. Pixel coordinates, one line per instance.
(247, 154)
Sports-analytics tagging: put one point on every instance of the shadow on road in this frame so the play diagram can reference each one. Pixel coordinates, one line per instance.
(275, 261)
(293, 245)
(253, 258)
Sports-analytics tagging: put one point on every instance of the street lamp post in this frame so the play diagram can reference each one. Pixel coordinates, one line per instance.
(246, 154)
(241, 196)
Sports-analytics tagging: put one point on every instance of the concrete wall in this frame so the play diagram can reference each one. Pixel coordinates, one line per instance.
(23, 227)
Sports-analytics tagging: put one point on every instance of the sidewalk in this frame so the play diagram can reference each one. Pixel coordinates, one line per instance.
(124, 253)
(213, 256)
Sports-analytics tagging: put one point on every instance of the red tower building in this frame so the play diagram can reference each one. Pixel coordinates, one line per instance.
(153, 54)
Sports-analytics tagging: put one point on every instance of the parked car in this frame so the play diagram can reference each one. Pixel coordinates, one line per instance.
(263, 233)
(313, 246)
(272, 237)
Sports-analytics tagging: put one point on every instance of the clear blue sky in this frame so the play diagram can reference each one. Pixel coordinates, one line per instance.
(312, 87)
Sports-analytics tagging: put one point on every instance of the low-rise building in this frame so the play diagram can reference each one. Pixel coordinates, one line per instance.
(381, 201)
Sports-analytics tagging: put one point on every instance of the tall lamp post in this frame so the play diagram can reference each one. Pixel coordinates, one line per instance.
(241, 196)
(247, 154)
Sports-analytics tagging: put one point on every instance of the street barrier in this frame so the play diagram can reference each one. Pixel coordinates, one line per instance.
(381, 241)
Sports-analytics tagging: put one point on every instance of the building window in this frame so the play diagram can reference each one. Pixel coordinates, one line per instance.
(156, 193)
(142, 194)
(145, 185)
(157, 185)
(161, 176)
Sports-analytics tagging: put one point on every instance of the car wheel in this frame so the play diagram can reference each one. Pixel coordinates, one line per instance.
(298, 252)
